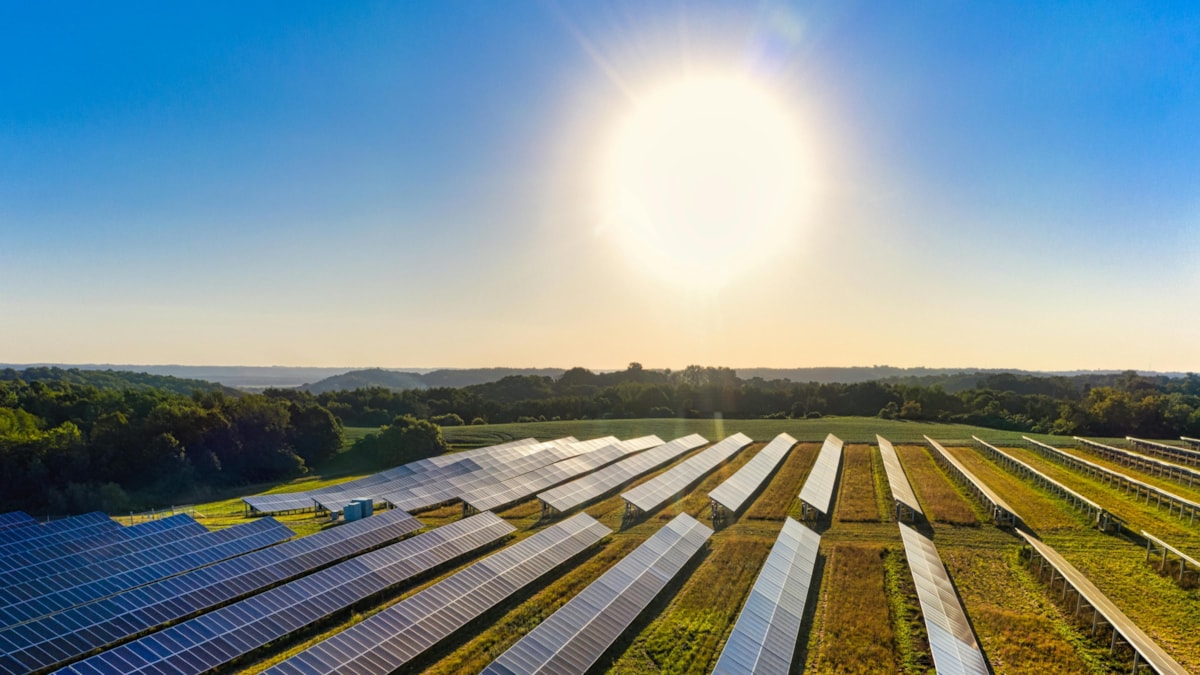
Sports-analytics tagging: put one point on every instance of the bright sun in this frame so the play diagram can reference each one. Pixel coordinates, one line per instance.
(703, 179)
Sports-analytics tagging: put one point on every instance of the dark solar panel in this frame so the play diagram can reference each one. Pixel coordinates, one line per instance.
(223, 544)
(397, 635)
(733, 493)
(764, 638)
(16, 519)
(220, 636)
(573, 638)
(52, 560)
(75, 632)
(16, 539)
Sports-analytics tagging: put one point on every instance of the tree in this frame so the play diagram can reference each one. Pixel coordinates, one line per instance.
(408, 439)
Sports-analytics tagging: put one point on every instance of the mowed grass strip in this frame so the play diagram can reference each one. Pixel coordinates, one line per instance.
(688, 635)
(852, 631)
(856, 501)
(1040, 510)
(941, 499)
(774, 502)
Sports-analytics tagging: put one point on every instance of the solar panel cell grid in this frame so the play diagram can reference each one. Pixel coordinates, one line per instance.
(654, 493)
(902, 492)
(16, 519)
(818, 488)
(18, 539)
(737, 489)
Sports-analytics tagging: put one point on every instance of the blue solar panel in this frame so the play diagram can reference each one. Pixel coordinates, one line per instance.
(214, 639)
(72, 634)
(16, 519)
(225, 543)
(17, 539)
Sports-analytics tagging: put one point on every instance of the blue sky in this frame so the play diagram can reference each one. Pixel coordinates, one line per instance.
(414, 184)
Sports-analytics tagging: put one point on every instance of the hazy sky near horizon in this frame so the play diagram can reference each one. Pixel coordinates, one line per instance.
(419, 184)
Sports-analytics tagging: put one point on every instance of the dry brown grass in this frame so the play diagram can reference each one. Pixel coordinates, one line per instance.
(940, 499)
(852, 632)
(856, 494)
(780, 494)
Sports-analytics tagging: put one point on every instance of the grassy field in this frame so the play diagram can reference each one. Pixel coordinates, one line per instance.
(862, 614)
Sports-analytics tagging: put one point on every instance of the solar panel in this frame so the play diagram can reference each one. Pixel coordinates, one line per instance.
(71, 634)
(764, 638)
(220, 636)
(1151, 465)
(74, 569)
(659, 490)
(16, 539)
(1173, 452)
(582, 490)
(397, 635)
(59, 558)
(223, 544)
(303, 501)
(578, 634)
(732, 494)
(816, 497)
(16, 519)
(954, 647)
(526, 485)
(907, 506)
(1194, 442)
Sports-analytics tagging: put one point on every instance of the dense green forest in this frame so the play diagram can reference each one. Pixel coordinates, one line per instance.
(68, 445)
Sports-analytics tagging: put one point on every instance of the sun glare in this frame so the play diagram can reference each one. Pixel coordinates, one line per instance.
(702, 179)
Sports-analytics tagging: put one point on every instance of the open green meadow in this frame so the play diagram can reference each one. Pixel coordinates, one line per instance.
(862, 615)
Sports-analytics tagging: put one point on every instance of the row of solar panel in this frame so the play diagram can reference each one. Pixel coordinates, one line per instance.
(817, 493)
(109, 537)
(147, 542)
(582, 490)
(16, 519)
(220, 636)
(528, 484)
(662, 488)
(907, 505)
(70, 634)
(17, 539)
(1149, 464)
(394, 637)
(737, 489)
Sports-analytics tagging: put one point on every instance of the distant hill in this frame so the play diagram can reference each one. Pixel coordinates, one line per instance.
(113, 379)
(396, 379)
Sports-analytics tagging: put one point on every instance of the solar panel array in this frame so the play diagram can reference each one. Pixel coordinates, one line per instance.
(577, 635)
(1155, 545)
(528, 484)
(178, 533)
(659, 490)
(1173, 452)
(817, 494)
(1151, 465)
(1186, 508)
(97, 540)
(1103, 519)
(951, 640)
(1146, 650)
(582, 490)
(16, 519)
(222, 544)
(448, 485)
(218, 637)
(397, 635)
(303, 501)
(907, 506)
(764, 638)
(1002, 513)
(16, 539)
(732, 494)
(71, 634)
(1194, 442)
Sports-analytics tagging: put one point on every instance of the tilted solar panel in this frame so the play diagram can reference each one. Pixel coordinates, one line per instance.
(582, 490)
(954, 647)
(71, 634)
(764, 638)
(577, 635)
(817, 493)
(227, 543)
(15, 539)
(733, 493)
(78, 568)
(397, 635)
(902, 492)
(216, 638)
(16, 519)
(658, 491)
